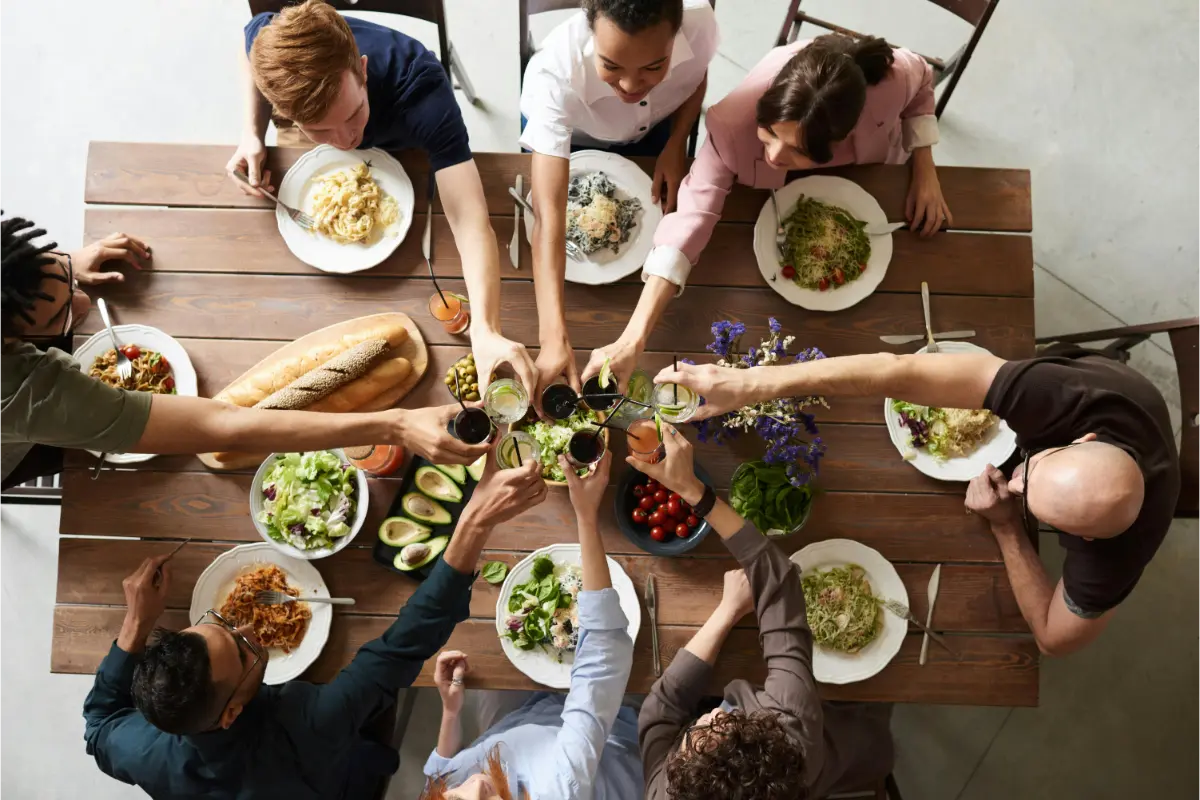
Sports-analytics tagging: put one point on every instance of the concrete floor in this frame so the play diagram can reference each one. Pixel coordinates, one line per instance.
(1051, 88)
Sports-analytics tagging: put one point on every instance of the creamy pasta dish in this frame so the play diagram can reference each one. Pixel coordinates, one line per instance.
(349, 206)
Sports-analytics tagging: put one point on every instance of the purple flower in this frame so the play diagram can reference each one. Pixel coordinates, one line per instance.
(751, 357)
(774, 325)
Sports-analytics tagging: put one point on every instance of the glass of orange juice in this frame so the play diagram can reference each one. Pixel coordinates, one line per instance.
(451, 312)
(645, 441)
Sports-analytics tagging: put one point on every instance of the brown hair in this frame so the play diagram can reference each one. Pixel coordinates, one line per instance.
(436, 788)
(738, 756)
(824, 88)
(298, 58)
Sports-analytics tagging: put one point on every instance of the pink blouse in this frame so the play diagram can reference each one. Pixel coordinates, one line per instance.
(898, 116)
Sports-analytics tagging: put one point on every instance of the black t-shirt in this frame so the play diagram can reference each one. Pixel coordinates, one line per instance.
(1050, 402)
(411, 100)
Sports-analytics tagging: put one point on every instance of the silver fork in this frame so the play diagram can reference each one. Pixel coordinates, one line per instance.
(273, 598)
(932, 347)
(780, 235)
(124, 365)
(572, 249)
(297, 216)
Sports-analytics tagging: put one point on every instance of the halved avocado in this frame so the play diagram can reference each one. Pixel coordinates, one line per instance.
(420, 554)
(401, 531)
(457, 472)
(421, 508)
(476, 469)
(432, 482)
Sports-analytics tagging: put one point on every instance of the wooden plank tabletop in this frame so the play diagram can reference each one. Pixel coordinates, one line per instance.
(224, 284)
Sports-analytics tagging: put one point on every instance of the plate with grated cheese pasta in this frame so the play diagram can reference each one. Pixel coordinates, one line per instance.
(294, 633)
(362, 201)
(829, 262)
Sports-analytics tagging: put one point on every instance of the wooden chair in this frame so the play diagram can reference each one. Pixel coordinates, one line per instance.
(975, 12)
(1185, 341)
(427, 10)
(885, 789)
(527, 8)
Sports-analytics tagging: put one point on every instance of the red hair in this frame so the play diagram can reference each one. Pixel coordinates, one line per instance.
(436, 788)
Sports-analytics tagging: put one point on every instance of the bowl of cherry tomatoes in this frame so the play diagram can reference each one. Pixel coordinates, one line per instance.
(656, 519)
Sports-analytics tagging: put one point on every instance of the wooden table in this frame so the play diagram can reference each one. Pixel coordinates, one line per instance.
(225, 284)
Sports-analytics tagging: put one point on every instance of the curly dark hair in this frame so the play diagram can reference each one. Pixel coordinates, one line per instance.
(635, 16)
(173, 686)
(22, 271)
(739, 756)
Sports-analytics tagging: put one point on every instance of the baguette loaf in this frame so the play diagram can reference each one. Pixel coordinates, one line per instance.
(270, 378)
(355, 395)
(328, 378)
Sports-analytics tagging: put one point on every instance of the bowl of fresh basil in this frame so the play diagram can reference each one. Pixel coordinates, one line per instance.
(763, 495)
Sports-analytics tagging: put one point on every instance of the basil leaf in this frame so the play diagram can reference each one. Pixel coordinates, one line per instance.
(494, 572)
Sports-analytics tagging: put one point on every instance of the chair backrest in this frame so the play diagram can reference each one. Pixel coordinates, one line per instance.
(973, 11)
(525, 10)
(1185, 342)
(970, 10)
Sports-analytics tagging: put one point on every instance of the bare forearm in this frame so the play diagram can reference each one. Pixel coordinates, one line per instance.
(1030, 584)
(922, 158)
(725, 521)
(466, 210)
(706, 644)
(656, 296)
(470, 535)
(257, 111)
(180, 424)
(686, 115)
(550, 176)
(449, 735)
(593, 558)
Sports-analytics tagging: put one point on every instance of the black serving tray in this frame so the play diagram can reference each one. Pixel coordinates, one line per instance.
(385, 554)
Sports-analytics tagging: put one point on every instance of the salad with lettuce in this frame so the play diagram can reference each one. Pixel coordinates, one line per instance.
(542, 611)
(308, 499)
(944, 432)
(553, 436)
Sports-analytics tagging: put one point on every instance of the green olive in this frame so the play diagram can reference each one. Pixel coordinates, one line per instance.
(449, 381)
(472, 396)
(474, 387)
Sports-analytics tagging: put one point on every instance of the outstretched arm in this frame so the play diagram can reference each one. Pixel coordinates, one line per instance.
(550, 176)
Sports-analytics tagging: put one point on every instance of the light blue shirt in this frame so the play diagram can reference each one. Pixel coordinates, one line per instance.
(575, 747)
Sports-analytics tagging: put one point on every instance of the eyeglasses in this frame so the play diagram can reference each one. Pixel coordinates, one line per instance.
(69, 315)
(1030, 522)
(240, 640)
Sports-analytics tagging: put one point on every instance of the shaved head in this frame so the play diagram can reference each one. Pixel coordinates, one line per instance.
(1092, 489)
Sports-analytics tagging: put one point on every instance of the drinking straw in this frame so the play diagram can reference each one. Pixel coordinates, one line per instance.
(517, 447)
(458, 392)
(675, 366)
(435, 284)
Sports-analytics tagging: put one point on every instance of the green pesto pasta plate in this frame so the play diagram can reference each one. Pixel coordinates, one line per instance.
(836, 560)
(829, 263)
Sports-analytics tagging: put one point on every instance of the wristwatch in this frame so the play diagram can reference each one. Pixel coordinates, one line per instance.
(707, 501)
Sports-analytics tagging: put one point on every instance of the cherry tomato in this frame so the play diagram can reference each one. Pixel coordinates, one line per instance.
(839, 277)
(131, 351)
(640, 516)
(657, 518)
(862, 267)
(674, 509)
(674, 496)
(646, 503)
(693, 521)
(639, 491)
(660, 496)
(788, 271)
(169, 384)
(823, 285)
(682, 531)
(651, 485)
(658, 534)
(163, 366)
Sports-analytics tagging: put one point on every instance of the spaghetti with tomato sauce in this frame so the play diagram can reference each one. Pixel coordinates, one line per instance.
(151, 370)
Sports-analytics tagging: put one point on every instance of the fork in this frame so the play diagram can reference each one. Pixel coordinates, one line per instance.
(932, 347)
(297, 216)
(572, 249)
(124, 365)
(780, 235)
(273, 598)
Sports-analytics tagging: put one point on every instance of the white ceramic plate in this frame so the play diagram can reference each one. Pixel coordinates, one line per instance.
(215, 583)
(836, 192)
(539, 664)
(832, 666)
(147, 338)
(361, 502)
(1000, 444)
(320, 251)
(605, 266)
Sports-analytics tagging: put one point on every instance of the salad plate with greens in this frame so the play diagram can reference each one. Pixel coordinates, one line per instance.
(308, 505)
(537, 612)
(763, 494)
(553, 436)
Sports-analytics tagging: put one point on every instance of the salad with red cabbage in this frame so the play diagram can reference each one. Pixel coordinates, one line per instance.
(308, 499)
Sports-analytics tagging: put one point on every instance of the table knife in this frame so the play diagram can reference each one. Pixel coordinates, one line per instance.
(652, 607)
(920, 337)
(514, 246)
(904, 612)
(933, 590)
(884, 229)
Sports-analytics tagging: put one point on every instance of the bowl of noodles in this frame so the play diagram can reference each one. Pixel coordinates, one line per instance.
(854, 636)
(160, 366)
(828, 261)
(293, 633)
(362, 201)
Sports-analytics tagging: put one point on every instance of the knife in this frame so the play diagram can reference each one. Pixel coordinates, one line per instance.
(920, 337)
(933, 590)
(903, 612)
(652, 607)
(514, 246)
(889, 227)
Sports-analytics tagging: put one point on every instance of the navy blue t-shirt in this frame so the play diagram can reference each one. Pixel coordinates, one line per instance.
(411, 100)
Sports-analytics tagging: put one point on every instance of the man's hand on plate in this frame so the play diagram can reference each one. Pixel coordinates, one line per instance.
(250, 157)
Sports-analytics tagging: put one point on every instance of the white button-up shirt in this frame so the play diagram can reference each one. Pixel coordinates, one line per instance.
(564, 100)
